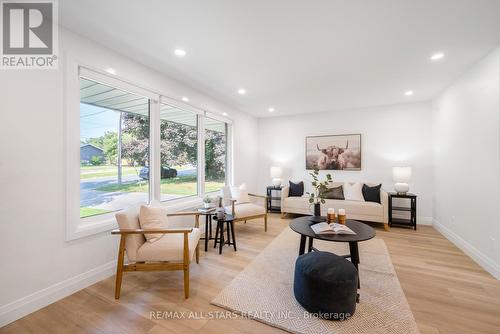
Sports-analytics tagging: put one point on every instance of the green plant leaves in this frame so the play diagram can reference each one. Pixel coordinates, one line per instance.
(321, 187)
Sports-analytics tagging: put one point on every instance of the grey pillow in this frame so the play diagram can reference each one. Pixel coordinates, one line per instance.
(335, 193)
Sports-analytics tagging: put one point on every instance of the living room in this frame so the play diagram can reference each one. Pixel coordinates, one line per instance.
(207, 123)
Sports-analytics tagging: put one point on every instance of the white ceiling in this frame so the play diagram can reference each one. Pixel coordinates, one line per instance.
(297, 56)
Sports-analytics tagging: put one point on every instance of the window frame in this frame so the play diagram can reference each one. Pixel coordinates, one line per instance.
(228, 128)
(200, 190)
(77, 227)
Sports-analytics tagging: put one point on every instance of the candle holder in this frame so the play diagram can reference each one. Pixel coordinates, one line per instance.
(330, 217)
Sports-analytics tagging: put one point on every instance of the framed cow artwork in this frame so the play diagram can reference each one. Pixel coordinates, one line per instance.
(334, 152)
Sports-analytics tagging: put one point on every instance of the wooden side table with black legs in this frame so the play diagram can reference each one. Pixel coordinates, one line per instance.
(412, 209)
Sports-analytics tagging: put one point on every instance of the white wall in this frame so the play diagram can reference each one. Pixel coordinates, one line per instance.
(391, 136)
(466, 120)
(39, 265)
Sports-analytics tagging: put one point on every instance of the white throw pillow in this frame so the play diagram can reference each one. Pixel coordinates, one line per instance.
(353, 191)
(240, 194)
(152, 218)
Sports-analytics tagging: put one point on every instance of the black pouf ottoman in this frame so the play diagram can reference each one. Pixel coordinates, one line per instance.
(326, 284)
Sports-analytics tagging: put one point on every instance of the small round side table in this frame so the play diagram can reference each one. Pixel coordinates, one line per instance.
(219, 232)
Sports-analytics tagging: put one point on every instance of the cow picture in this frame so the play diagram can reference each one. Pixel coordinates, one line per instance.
(337, 152)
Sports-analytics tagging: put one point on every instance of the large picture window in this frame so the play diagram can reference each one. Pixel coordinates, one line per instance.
(179, 152)
(114, 148)
(136, 146)
(215, 154)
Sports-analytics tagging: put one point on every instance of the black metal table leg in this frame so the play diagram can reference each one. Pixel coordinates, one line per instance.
(210, 226)
(302, 247)
(414, 213)
(232, 234)
(390, 211)
(310, 245)
(216, 235)
(221, 234)
(228, 233)
(206, 233)
(353, 249)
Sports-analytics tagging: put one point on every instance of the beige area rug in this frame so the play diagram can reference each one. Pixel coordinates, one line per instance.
(264, 291)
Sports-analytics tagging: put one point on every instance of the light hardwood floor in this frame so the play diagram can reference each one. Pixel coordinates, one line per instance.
(447, 291)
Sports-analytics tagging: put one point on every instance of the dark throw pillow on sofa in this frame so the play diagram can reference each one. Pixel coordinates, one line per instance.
(335, 193)
(296, 189)
(371, 194)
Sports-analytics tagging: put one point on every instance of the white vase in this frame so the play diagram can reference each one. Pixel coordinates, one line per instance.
(206, 205)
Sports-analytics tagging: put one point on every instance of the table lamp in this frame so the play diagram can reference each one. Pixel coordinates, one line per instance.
(401, 175)
(276, 173)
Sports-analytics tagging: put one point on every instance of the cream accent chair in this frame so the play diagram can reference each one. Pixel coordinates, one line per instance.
(173, 251)
(257, 208)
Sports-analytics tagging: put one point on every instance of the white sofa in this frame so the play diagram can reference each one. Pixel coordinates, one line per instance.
(359, 210)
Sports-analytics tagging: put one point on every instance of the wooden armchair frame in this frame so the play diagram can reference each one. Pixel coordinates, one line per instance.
(156, 266)
(237, 219)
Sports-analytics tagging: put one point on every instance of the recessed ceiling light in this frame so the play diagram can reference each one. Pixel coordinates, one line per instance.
(180, 53)
(185, 99)
(242, 91)
(224, 114)
(409, 93)
(437, 56)
(270, 109)
(111, 70)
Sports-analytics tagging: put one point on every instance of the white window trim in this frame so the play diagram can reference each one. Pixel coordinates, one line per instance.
(201, 155)
(77, 227)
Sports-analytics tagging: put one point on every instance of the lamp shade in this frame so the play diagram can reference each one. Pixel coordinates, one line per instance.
(401, 174)
(276, 172)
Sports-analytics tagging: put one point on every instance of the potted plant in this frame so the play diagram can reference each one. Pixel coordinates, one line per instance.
(317, 196)
(206, 202)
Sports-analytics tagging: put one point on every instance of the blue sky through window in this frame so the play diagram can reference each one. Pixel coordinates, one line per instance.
(95, 121)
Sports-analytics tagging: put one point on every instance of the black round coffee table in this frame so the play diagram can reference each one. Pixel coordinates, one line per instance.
(302, 226)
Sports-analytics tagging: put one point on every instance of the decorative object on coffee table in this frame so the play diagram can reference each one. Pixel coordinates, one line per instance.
(326, 284)
(276, 173)
(411, 210)
(273, 197)
(342, 216)
(401, 175)
(330, 215)
(318, 194)
(219, 232)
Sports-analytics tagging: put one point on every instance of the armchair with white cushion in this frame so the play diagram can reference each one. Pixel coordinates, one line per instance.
(244, 206)
(172, 249)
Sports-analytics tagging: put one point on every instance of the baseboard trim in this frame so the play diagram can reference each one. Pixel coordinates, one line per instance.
(484, 261)
(35, 301)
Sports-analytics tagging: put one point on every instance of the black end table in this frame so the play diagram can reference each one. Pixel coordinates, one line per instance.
(219, 232)
(271, 198)
(364, 232)
(208, 226)
(412, 209)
